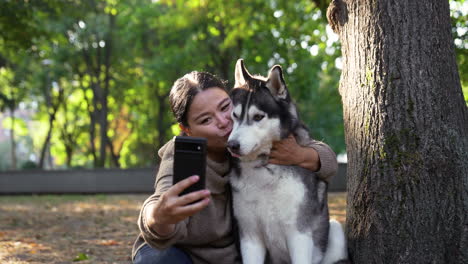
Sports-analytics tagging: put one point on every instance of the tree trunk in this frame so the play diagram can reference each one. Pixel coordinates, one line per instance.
(161, 125)
(114, 156)
(14, 166)
(69, 152)
(103, 122)
(68, 138)
(406, 127)
(46, 141)
(90, 107)
(52, 108)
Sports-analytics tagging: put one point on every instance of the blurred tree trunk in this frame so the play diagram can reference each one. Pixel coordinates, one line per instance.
(12, 139)
(161, 125)
(69, 146)
(103, 122)
(98, 68)
(115, 156)
(9, 102)
(69, 136)
(52, 107)
(406, 126)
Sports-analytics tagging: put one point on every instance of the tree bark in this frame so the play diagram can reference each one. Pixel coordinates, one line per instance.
(406, 127)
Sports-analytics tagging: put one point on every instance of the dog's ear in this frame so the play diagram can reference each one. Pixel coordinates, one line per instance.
(275, 82)
(242, 75)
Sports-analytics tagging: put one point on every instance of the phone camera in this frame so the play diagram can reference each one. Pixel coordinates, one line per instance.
(198, 147)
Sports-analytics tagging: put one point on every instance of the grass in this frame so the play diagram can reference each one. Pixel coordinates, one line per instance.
(80, 228)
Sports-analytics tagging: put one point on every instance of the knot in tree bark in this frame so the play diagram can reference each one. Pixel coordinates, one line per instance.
(336, 15)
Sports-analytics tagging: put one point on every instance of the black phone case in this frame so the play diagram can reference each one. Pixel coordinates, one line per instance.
(189, 160)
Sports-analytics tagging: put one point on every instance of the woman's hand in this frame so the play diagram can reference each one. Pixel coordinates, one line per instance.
(288, 152)
(172, 208)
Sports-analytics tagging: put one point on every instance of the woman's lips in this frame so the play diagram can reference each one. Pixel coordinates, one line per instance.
(227, 133)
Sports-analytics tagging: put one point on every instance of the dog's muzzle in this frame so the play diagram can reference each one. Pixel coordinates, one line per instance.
(234, 147)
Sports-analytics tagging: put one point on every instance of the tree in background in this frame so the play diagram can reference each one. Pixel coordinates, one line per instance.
(19, 22)
(406, 127)
(169, 39)
(13, 91)
(459, 14)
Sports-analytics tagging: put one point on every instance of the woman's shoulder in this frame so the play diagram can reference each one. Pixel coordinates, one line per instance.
(165, 168)
(167, 150)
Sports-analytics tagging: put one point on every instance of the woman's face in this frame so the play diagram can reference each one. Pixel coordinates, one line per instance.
(209, 116)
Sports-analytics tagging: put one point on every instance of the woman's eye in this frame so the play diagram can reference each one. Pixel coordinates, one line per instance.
(258, 117)
(205, 121)
(225, 108)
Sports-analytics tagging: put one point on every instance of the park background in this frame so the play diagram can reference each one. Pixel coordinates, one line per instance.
(84, 85)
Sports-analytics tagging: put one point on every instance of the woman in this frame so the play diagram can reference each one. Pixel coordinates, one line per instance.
(197, 227)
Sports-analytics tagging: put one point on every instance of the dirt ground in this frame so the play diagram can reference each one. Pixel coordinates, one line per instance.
(80, 228)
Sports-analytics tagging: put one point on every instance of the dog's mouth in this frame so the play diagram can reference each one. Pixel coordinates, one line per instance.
(234, 153)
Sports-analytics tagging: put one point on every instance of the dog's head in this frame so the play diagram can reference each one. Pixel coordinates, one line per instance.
(262, 113)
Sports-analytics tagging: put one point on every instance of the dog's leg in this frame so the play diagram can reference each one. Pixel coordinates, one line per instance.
(253, 250)
(302, 249)
(336, 248)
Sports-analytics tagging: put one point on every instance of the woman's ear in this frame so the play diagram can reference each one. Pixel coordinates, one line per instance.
(185, 129)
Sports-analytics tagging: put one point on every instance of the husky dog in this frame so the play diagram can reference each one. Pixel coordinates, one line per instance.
(282, 211)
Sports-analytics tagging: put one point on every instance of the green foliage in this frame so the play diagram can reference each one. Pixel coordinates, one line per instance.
(29, 165)
(459, 14)
(17, 124)
(66, 53)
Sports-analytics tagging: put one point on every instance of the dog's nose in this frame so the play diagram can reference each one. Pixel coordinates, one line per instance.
(234, 145)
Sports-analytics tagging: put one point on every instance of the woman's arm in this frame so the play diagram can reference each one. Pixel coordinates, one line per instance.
(163, 215)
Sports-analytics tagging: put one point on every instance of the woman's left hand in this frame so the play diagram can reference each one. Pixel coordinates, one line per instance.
(288, 152)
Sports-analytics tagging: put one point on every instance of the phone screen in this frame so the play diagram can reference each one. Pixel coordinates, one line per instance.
(189, 160)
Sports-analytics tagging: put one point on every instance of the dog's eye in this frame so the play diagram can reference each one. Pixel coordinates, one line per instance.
(258, 117)
(234, 115)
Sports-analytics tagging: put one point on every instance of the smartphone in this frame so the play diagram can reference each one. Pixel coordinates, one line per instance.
(189, 160)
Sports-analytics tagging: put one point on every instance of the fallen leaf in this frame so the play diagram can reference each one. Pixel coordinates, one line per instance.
(108, 243)
(81, 257)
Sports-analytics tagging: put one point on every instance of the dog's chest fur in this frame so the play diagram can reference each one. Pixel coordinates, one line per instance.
(268, 200)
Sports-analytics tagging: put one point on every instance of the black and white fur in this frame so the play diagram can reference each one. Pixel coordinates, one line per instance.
(282, 211)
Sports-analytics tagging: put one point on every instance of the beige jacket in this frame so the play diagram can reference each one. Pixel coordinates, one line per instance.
(208, 235)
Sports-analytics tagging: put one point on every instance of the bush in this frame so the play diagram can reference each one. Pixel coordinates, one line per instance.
(27, 165)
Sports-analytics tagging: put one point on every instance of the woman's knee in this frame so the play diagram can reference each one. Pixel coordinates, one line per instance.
(148, 255)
